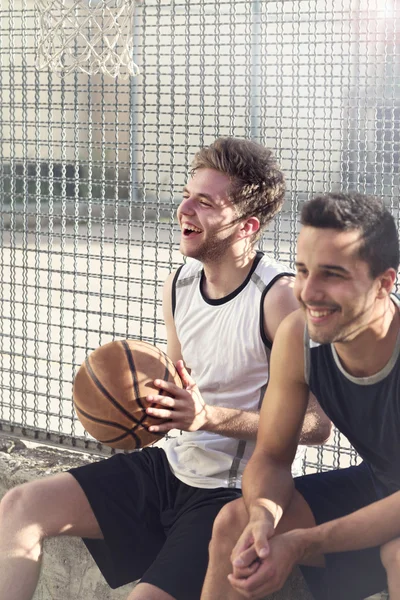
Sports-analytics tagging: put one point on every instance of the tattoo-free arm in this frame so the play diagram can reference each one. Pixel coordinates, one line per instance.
(173, 345)
(370, 526)
(280, 302)
(267, 479)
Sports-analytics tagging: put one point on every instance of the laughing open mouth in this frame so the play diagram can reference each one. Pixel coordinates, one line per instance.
(190, 231)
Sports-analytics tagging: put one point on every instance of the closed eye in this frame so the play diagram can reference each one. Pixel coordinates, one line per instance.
(333, 274)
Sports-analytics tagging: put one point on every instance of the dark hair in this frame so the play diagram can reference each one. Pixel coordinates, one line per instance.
(257, 183)
(379, 245)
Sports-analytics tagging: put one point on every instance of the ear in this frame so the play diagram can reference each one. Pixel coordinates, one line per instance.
(249, 227)
(386, 282)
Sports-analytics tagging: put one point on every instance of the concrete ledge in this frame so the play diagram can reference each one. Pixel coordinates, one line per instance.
(68, 570)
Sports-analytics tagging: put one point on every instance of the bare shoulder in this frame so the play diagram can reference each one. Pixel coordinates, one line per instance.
(281, 289)
(167, 291)
(292, 327)
(288, 347)
(169, 281)
(281, 284)
(279, 301)
(173, 344)
(294, 323)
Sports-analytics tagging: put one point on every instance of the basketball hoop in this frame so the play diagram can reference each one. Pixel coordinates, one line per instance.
(93, 36)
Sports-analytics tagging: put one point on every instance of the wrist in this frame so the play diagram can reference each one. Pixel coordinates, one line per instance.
(258, 511)
(309, 543)
(208, 417)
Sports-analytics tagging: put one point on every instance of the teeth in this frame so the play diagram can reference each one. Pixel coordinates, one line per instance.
(320, 313)
(192, 228)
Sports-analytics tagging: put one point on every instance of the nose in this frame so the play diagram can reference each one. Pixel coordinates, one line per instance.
(186, 206)
(308, 289)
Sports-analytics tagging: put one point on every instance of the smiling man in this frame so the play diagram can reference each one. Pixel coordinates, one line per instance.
(343, 344)
(148, 515)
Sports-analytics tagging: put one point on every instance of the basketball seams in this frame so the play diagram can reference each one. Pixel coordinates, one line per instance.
(126, 430)
(120, 379)
(106, 421)
(170, 371)
(106, 393)
(132, 367)
(159, 355)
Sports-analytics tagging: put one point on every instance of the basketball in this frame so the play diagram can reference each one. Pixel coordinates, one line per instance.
(110, 390)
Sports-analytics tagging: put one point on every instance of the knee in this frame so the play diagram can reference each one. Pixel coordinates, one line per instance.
(390, 554)
(11, 502)
(17, 506)
(229, 522)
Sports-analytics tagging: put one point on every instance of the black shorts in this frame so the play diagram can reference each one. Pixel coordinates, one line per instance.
(331, 495)
(155, 527)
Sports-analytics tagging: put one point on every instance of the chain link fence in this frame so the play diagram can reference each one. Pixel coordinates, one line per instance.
(92, 169)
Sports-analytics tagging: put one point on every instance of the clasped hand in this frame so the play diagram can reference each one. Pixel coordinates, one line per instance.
(262, 560)
(184, 408)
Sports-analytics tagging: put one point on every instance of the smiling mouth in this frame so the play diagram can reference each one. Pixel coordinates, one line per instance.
(320, 313)
(190, 231)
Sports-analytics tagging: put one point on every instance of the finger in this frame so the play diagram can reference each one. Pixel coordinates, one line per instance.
(258, 585)
(163, 427)
(244, 572)
(261, 542)
(244, 543)
(254, 594)
(240, 585)
(261, 582)
(246, 558)
(161, 400)
(169, 387)
(184, 374)
(159, 413)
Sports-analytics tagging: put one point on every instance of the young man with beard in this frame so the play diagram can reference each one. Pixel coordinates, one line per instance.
(343, 344)
(149, 514)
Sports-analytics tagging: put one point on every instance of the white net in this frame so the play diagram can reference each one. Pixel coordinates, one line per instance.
(93, 36)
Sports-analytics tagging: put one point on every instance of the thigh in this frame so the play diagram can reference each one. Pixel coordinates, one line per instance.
(56, 504)
(331, 495)
(181, 565)
(127, 494)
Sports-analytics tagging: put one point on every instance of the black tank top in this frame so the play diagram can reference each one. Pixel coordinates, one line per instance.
(365, 409)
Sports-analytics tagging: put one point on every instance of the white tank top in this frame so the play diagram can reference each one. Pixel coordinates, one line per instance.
(224, 344)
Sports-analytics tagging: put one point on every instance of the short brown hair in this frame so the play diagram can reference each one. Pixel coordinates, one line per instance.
(257, 183)
(352, 211)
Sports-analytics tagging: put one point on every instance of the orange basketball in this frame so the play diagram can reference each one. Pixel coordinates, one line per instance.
(110, 389)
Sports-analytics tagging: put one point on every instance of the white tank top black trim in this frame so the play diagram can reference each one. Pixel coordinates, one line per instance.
(224, 344)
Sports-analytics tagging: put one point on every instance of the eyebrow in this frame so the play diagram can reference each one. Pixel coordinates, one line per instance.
(205, 196)
(328, 267)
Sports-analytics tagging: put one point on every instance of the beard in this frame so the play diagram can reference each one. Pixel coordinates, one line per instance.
(325, 337)
(213, 249)
(340, 333)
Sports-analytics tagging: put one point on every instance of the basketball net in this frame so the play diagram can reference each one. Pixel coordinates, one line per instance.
(93, 36)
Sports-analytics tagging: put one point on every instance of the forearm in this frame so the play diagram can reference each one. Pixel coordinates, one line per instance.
(315, 431)
(370, 526)
(231, 422)
(317, 428)
(267, 487)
